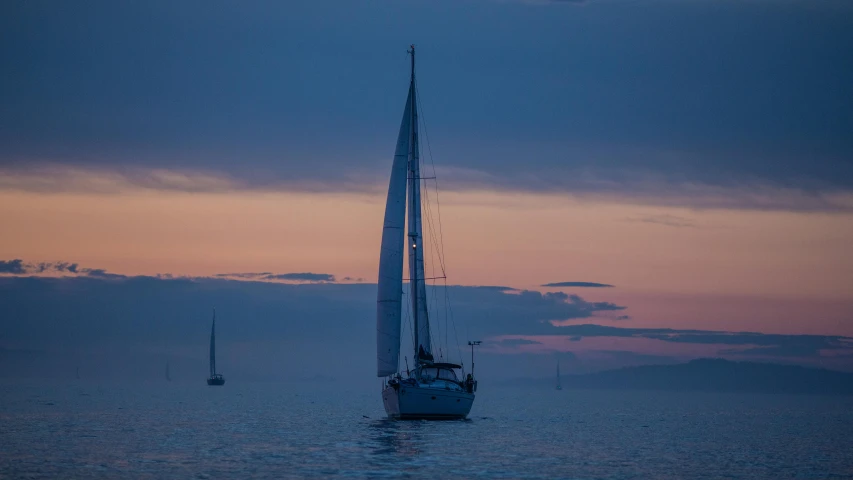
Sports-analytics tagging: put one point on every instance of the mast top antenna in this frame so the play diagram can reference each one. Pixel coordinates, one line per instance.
(412, 52)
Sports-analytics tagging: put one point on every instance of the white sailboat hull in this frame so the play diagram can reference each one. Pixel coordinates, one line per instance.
(417, 402)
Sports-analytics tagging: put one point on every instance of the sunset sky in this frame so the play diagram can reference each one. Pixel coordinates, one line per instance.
(694, 156)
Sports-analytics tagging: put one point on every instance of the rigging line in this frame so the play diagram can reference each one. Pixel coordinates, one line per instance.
(434, 251)
(433, 244)
(429, 298)
(445, 329)
(435, 248)
(452, 322)
(433, 238)
(437, 322)
(432, 161)
(440, 239)
(447, 303)
(434, 301)
(426, 253)
(438, 244)
(429, 252)
(430, 217)
(411, 330)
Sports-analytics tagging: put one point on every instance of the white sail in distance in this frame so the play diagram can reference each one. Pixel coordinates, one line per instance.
(213, 346)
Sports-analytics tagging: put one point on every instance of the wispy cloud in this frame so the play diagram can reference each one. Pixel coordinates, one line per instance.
(302, 277)
(56, 178)
(750, 343)
(101, 273)
(577, 284)
(611, 187)
(289, 277)
(19, 267)
(51, 178)
(665, 219)
(244, 275)
(57, 267)
(514, 342)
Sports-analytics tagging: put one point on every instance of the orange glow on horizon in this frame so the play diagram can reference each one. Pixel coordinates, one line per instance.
(515, 240)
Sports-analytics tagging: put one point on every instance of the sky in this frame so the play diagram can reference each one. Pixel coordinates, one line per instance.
(693, 156)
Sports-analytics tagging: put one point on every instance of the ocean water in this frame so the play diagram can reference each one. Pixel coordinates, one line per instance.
(175, 430)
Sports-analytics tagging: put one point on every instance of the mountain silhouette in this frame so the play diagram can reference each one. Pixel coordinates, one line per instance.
(711, 375)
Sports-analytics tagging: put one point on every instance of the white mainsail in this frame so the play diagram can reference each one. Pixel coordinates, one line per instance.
(390, 285)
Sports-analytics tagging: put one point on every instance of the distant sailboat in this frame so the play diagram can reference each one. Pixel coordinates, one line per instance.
(559, 384)
(168, 377)
(432, 389)
(215, 379)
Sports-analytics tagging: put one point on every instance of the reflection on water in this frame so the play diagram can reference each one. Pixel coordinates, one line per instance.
(174, 430)
(395, 438)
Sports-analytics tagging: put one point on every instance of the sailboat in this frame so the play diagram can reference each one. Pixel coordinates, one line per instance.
(430, 390)
(215, 379)
(168, 377)
(559, 385)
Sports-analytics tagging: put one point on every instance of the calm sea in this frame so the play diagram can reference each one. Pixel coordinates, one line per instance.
(175, 430)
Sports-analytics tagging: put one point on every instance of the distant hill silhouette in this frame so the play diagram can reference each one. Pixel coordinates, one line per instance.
(712, 375)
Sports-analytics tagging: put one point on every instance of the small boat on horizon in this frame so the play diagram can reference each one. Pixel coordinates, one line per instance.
(215, 379)
(559, 384)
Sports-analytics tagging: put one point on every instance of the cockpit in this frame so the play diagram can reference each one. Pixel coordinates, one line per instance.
(436, 375)
(439, 375)
(433, 373)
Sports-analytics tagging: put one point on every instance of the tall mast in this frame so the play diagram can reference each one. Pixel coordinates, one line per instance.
(558, 373)
(416, 249)
(213, 345)
(413, 210)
